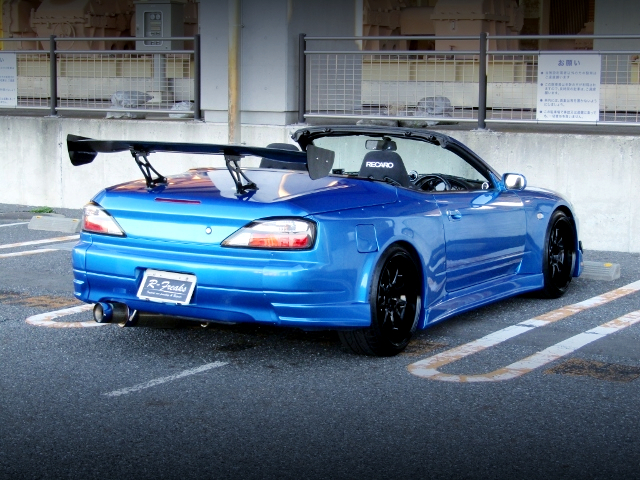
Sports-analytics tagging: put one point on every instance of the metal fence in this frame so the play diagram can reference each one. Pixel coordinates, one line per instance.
(118, 83)
(414, 88)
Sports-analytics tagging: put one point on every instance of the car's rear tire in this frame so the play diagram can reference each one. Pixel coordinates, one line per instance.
(395, 299)
(559, 256)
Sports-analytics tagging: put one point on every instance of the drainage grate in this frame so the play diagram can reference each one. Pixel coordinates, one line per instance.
(613, 372)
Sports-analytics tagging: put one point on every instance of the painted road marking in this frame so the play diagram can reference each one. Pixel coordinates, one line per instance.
(428, 368)
(539, 359)
(68, 246)
(27, 252)
(40, 242)
(47, 319)
(13, 224)
(161, 380)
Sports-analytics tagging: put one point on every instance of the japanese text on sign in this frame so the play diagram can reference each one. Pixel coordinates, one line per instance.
(568, 88)
(8, 80)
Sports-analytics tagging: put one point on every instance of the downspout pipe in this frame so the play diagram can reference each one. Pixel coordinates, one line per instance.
(197, 87)
(482, 83)
(234, 72)
(53, 77)
(302, 77)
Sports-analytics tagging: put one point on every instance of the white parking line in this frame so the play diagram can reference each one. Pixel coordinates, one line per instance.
(13, 224)
(47, 319)
(428, 368)
(27, 252)
(556, 351)
(40, 242)
(161, 380)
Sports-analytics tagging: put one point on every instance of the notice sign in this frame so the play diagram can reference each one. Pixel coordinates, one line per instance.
(569, 88)
(8, 80)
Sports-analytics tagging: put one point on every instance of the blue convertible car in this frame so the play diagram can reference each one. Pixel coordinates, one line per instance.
(371, 231)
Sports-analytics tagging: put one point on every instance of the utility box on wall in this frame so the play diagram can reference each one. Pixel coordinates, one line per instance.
(159, 19)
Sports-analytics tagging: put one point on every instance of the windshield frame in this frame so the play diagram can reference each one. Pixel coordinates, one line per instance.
(305, 137)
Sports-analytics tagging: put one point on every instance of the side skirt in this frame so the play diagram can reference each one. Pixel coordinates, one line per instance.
(479, 295)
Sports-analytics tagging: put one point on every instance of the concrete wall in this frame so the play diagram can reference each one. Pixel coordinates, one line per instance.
(616, 17)
(269, 53)
(35, 163)
(599, 174)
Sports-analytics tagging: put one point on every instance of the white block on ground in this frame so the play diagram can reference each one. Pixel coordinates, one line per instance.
(601, 271)
(54, 224)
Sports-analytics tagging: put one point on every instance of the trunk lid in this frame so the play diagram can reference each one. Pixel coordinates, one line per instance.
(201, 201)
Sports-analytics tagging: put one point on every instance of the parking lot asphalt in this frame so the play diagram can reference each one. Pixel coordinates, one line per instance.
(171, 399)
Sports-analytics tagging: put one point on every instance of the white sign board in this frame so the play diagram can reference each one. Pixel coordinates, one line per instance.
(8, 80)
(569, 88)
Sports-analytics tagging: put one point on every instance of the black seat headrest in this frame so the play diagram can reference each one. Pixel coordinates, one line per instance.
(279, 164)
(381, 164)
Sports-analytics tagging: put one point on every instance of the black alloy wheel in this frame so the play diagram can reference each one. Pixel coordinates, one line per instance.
(559, 255)
(395, 300)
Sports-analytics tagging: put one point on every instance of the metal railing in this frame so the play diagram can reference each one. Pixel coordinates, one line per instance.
(481, 85)
(129, 83)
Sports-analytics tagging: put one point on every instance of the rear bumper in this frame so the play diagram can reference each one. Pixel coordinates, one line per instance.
(294, 292)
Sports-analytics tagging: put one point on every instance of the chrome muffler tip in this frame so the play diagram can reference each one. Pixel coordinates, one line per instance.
(103, 312)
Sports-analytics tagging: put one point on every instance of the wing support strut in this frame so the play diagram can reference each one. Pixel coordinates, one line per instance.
(147, 170)
(238, 175)
(153, 178)
(318, 161)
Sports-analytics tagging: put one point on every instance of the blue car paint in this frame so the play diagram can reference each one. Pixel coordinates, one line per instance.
(327, 286)
(262, 285)
(482, 240)
(539, 206)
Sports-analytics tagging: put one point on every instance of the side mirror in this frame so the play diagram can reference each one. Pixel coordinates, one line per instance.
(514, 181)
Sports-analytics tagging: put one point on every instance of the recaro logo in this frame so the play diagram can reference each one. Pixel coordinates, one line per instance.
(380, 164)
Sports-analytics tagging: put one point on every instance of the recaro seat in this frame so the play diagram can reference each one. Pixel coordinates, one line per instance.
(381, 164)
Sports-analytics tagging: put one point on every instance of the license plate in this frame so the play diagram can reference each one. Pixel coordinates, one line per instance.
(168, 287)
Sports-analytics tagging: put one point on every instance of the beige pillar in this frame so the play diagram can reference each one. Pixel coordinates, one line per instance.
(234, 72)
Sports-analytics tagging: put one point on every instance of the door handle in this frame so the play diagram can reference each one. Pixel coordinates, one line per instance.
(454, 214)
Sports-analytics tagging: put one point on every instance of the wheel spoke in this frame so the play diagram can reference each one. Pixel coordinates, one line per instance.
(401, 307)
(396, 301)
(392, 302)
(559, 255)
(388, 318)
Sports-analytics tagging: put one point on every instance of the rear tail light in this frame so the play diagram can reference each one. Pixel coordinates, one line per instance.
(280, 234)
(96, 219)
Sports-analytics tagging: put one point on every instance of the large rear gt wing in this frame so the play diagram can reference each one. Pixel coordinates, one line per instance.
(82, 151)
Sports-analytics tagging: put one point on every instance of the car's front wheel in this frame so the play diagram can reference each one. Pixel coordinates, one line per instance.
(558, 259)
(395, 299)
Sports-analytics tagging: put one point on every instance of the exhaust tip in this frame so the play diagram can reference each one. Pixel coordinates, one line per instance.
(103, 312)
